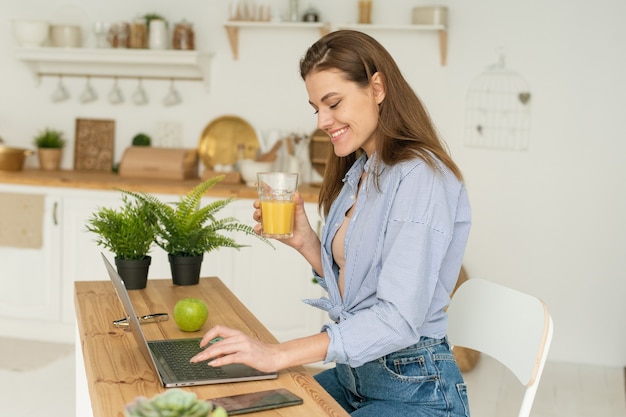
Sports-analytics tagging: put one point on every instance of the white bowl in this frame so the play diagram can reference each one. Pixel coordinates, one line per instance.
(30, 33)
(249, 168)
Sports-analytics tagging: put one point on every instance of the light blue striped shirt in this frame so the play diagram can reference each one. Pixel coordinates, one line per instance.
(403, 248)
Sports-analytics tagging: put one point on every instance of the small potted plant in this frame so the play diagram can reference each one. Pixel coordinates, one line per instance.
(129, 233)
(174, 403)
(186, 230)
(141, 139)
(50, 143)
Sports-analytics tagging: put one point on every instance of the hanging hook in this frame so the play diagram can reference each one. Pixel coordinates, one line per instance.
(501, 63)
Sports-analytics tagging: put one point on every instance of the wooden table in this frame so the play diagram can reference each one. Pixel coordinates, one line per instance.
(117, 372)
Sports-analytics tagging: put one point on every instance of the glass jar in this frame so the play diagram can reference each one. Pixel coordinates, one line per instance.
(183, 36)
(293, 11)
(119, 34)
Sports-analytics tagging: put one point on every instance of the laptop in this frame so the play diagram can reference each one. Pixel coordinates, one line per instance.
(170, 357)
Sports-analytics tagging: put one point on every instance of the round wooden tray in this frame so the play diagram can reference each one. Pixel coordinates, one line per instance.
(220, 138)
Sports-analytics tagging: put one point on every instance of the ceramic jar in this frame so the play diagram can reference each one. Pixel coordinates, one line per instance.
(157, 38)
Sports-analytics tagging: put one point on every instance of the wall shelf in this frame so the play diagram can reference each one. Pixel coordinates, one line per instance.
(232, 29)
(118, 63)
(441, 29)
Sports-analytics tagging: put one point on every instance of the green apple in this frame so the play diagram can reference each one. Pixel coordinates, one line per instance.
(190, 314)
(218, 412)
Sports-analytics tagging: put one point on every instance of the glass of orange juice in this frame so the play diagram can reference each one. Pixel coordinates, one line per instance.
(276, 191)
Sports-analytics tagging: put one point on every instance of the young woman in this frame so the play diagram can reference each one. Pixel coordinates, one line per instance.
(397, 219)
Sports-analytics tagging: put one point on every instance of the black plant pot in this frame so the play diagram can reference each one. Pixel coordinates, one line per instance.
(185, 269)
(134, 272)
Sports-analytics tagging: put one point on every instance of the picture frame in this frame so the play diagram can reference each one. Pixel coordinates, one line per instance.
(94, 145)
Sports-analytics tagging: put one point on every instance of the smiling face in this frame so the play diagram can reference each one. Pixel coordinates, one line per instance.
(346, 111)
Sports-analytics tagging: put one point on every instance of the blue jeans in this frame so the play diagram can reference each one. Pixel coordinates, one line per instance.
(421, 380)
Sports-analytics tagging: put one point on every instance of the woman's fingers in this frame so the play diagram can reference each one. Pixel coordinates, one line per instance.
(232, 346)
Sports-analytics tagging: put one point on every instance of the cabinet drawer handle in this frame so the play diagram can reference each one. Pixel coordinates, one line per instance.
(54, 213)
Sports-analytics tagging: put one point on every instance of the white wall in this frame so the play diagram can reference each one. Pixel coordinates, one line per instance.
(548, 220)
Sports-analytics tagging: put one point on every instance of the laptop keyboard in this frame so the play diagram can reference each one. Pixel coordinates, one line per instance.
(176, 355)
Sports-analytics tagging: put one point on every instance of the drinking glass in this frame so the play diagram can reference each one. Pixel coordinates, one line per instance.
(101, 30)
(89, 93)
(173, 97)
(115, 95)
(276, 191)
(140, 97)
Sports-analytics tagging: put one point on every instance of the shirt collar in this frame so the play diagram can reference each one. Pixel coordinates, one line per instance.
(363, 163)
(353, 175)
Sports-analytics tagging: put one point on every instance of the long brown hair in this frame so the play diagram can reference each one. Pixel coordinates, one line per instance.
(404, 127)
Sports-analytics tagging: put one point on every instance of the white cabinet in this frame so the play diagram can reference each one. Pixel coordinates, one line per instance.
(37, 297)
(30, 279)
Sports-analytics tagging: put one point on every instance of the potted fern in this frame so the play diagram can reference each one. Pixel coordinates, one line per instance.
(129, 233)
(50, 143)
(186, 230)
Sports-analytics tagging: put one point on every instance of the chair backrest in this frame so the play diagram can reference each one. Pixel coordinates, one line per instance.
(510, 326)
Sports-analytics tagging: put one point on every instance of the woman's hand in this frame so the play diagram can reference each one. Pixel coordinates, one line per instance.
(302, 230)
(304, 239)
(236, 347)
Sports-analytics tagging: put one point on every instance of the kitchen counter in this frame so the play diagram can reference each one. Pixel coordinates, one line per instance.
(110, 181)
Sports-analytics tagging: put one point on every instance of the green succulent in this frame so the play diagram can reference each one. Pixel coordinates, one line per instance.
(128, 231)
(173, 403)
(185, 228)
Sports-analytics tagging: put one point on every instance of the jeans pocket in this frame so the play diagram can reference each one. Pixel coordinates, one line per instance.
(409, 368)
(462, 390)
(403, 380)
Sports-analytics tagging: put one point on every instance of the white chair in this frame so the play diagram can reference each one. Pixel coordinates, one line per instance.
(512, 327)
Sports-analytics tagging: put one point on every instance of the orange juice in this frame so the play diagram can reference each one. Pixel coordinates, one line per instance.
(278, 218)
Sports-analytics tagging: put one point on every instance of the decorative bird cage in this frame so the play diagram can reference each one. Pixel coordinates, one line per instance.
(498, 110)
